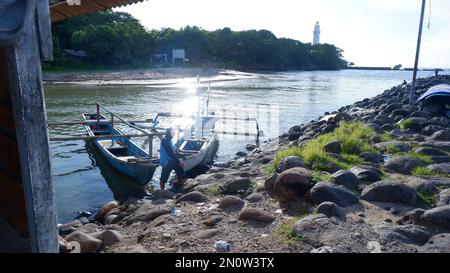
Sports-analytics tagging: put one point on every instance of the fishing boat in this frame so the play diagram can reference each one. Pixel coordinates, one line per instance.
(120, 152)
(198, 151)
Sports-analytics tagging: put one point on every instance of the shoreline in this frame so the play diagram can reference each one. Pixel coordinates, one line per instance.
(168, 75)
(380, 204)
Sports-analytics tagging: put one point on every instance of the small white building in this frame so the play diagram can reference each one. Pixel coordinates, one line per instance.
(316, 39)
(178, 54)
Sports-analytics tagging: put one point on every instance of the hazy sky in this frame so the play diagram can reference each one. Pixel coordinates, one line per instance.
(371, 32)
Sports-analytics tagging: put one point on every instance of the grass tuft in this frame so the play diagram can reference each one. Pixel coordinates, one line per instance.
(426, 200)
(321, 177)
(355, 137)
(286, 231)
(423, 171)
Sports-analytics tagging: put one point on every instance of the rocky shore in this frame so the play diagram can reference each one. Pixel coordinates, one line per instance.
(372, 177)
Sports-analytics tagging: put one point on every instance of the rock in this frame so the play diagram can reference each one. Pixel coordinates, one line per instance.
(292, 184)
(403, 164)
(89, 228)
(237, 186)
(66, 229)
(148, 212)
(130, 249)
(84, 220)
(231, 201)
(436, 218)
(325, 249)
(346, 178)
(382, 119)
(101, 214)
(206, 234)
(443, 135)
(109, 219)
(421, 185)
(388, 127)
(163, 194)
(366, 174)
(430, 151)
(416, 123)
(87, 244)
(254, 197)
(212, 220)
(444, 198)
(241, 154)
(411, 217)
(64, 246)
(398, 145)
(108, 237)
(372, 157)
(422, 114)
(440, 159)
(408, 234)
(323, 192)
(401, 113)
(195, 196)
(390, 192)
(437, 244)
(443, 168)
(250, 147)
(257, 215)
(330, 209)
(289, 163)
(333, 147)
(431, 129)
(269, 184)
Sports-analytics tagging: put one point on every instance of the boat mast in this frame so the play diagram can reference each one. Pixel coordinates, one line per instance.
(198, 121)
(416, 64)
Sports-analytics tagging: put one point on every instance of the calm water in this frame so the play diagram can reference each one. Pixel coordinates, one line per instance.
(279, 100)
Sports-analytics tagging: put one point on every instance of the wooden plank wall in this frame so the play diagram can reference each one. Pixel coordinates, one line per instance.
(12, 202)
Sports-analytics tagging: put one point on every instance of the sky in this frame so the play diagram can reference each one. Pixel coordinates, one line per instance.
(371, 32)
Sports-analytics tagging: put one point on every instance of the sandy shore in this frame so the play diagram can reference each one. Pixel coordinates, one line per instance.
(142, 75)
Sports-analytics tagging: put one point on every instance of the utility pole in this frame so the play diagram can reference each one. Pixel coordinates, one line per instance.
(416, 64)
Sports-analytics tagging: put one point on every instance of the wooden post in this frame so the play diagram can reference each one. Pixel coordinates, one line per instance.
(150, 147)
(32, 138)
(416, 63)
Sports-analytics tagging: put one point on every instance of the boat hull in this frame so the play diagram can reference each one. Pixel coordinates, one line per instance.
(133, 162)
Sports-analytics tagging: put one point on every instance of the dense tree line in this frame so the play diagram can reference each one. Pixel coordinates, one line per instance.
(114, 39)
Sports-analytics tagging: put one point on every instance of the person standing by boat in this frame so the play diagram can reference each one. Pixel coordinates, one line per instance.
(169, 161)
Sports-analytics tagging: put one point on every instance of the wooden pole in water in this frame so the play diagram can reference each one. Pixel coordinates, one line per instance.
(65, 138)
(416, 64)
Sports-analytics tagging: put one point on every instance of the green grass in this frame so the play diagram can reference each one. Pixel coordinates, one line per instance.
(423, 171)
(355, 137)
(391, 149)
(386, 137)
(253, 184)
(321, 177)
(406, 124)
(286, 231)
(426, 200)
(424, 158)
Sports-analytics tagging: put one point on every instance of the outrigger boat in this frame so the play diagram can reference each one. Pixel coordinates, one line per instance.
(120, 152)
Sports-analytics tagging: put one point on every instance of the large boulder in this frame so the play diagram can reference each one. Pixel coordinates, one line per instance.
(323, 192)
(444, 198)
(101, 214)
(390, 192)
(257, 215)
(330, 209)
(416, 123)
(421, 185)
(367, 174)
(443, 135)
(443, 168)
(437, 244)
(148, 212)
(231, 201)
(269, 184)
(403, 164)
(289, 163)
(346, 178)
(333, 147)
(437, 218)
(292, 184)
(195, 197)
(408, 234)
(430, 151)
(237, 186)
(87, 243)
(374, 158)
(398, 145)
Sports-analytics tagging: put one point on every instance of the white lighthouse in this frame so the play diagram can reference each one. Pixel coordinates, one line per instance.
(316, 39)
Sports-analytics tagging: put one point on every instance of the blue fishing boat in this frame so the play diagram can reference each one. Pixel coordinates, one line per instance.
(120, 152)
(439, 94)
